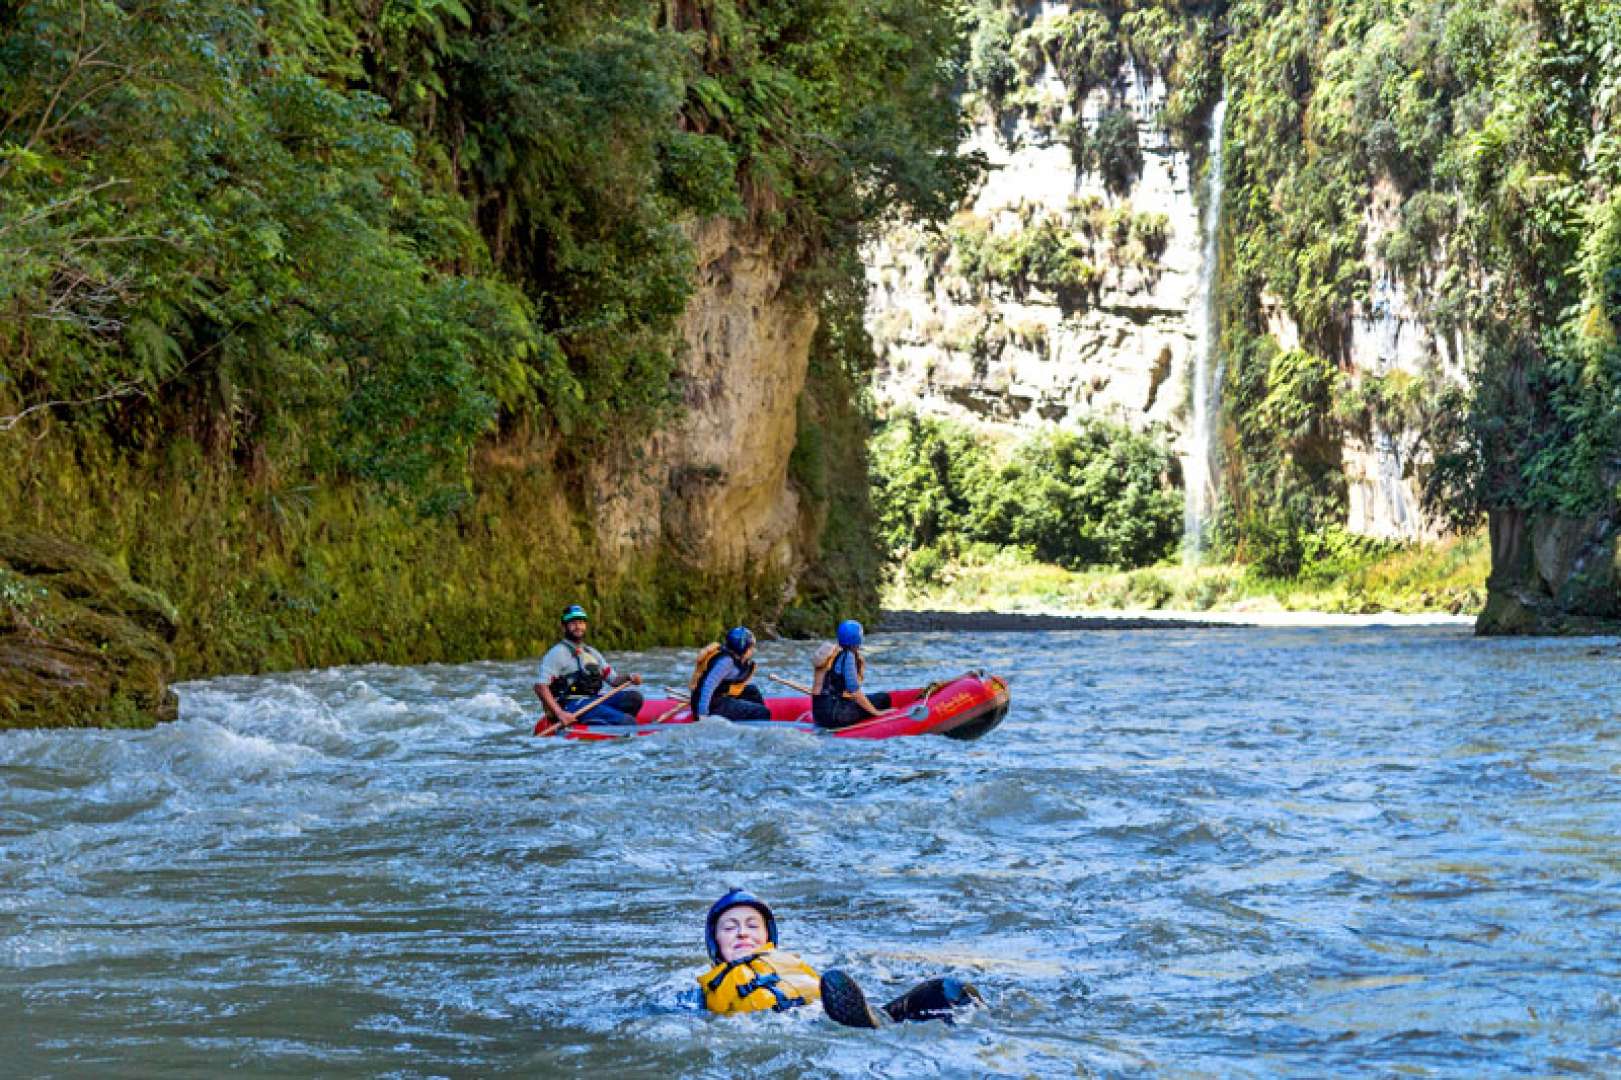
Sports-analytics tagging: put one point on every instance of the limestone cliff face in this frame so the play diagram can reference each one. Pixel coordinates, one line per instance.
(1391, 344)
(957, 341)
(714, 484)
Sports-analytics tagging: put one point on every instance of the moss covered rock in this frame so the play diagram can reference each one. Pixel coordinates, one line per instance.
(81, 645)
(1552, 575)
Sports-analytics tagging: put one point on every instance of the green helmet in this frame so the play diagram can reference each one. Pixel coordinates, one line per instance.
(572, 612)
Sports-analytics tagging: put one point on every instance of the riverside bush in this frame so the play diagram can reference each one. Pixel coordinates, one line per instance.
(1096, 495)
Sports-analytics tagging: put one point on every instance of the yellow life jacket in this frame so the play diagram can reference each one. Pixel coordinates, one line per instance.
(700, 668)
(772, 980)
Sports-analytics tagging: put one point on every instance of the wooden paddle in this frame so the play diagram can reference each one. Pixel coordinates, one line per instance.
(669, 714)
(557, 725)
(916, 712)
(790, 684)
(682, 700)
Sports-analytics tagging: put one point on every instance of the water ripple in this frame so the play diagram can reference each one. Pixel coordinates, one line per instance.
(1235, 852)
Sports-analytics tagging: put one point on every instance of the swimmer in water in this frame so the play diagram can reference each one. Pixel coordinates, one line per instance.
(752, 975)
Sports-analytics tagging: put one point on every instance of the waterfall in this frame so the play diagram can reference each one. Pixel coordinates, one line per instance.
(1200, 473)
(1387, 450)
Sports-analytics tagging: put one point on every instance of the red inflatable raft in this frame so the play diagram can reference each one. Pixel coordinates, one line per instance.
(965, 707)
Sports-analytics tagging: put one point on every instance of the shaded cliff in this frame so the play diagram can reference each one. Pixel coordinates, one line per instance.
(1423, 194)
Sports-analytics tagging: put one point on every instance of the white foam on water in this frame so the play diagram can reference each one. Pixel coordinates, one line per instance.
(202, 750)
(492, 705)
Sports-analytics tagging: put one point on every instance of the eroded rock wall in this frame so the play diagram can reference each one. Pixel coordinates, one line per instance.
(1389, 348)
(955, 343)
(667, 535)
(959, 341)
(712, 487)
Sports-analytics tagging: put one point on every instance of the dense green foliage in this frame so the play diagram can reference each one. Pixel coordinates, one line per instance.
(1097, 495)
(206, 241)
(1495, 124)
(1088, 47)
(297, 268)
(352, 240)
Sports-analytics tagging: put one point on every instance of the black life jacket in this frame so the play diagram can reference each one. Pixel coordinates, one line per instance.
(584, 681)
(832, 680)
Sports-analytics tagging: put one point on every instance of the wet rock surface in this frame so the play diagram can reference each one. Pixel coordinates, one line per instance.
(81, 645)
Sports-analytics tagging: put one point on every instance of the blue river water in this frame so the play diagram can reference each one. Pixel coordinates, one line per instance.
(1239, 852)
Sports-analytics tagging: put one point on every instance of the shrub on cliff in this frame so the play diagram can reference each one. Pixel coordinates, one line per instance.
(1111, 150)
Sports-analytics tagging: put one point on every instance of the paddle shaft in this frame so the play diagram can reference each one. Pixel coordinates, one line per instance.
(807, 690)
(558, 725)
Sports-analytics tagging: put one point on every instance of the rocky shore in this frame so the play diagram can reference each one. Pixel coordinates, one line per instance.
(1043, 621)
(81, 645)
(912, 621)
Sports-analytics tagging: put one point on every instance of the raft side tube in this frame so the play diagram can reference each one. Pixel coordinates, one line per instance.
(963, 708)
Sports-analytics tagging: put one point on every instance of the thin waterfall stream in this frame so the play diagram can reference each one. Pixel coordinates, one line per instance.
(1199, 472)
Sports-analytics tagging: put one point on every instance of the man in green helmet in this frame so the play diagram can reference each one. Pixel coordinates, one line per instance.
(572, 673)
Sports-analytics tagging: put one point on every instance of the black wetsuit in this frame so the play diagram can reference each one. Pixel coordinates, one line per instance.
(830, 708)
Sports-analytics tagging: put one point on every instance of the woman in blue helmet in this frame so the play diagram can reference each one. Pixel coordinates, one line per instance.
(837, 699)
(720, 679)
(750, 974)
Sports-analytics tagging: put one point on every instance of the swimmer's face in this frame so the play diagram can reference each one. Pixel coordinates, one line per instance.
(739, 932)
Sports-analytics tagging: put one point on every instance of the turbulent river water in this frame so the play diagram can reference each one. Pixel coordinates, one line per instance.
(1185, 852)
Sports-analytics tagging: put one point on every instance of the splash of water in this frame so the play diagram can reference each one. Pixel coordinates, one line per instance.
(1200, 471)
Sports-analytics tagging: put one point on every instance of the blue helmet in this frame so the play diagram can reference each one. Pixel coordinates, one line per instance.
(849, 633)
(731, 900)
(739, 640)
(572, 612)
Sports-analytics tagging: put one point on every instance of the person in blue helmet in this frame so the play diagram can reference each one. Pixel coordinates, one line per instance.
(751, 974)
(837, 699)
(721, 679)
(572, 674)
